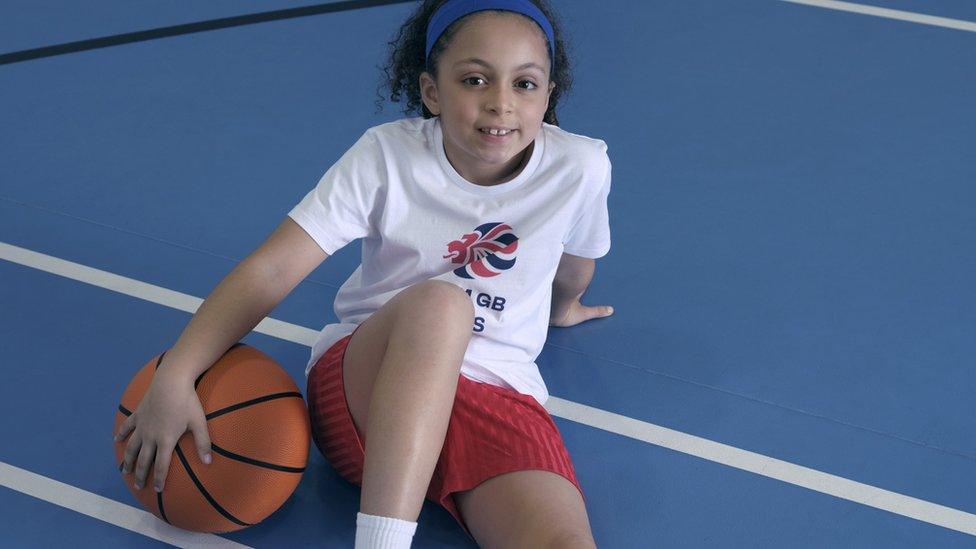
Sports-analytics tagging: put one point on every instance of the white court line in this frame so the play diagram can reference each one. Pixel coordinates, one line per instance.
(142, 290)
(108, 510)
(887, 13)
(766, 466)
(745, 460)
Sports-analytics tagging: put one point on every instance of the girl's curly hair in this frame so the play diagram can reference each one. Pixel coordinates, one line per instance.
(407, 60)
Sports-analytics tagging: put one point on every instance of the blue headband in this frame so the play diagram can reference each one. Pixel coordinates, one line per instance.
(452, 10)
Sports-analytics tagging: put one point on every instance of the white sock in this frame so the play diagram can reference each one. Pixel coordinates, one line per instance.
(373, 532)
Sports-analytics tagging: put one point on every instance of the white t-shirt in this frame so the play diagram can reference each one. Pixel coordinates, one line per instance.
(420, 220)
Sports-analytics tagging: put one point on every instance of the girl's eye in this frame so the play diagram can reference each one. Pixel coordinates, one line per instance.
(531, 83)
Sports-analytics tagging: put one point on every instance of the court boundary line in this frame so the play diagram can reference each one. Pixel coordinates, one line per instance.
(888, 13)
(189, 28)
(348, 5)
(106, 509)
(745, 460)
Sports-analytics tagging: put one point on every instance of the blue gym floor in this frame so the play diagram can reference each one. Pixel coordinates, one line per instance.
(793, 216)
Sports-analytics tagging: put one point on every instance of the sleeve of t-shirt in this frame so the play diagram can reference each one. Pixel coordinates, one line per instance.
(590, 236)
(338, 210)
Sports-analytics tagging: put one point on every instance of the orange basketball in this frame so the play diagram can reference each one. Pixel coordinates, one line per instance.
(259, 431)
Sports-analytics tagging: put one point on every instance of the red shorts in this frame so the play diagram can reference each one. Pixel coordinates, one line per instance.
(492, 431)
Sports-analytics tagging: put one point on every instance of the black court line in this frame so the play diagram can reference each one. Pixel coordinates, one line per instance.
(190, 28)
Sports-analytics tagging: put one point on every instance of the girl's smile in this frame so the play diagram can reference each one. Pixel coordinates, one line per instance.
(497, 139)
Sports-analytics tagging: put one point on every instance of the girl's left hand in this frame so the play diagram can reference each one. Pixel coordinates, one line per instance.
(577, 313)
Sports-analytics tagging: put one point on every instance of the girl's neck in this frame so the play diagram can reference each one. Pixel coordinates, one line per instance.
(492, 180)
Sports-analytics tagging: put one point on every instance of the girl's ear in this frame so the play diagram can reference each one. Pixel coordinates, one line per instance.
(428, 92)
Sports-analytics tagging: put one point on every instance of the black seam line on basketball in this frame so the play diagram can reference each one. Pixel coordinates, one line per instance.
(251, 461)
(259, 400)
(190, 28)
(125, 412)
(206, 494)
(162, 511)
(160, 361)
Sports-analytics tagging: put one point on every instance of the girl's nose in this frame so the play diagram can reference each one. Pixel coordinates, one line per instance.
(500, 100)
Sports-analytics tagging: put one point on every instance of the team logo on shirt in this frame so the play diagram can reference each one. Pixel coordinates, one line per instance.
(485, 253)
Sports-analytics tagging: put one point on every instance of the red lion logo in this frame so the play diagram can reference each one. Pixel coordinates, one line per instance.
(486, 252)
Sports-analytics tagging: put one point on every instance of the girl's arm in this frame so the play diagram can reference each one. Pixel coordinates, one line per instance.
(244, 297)
(573, 275)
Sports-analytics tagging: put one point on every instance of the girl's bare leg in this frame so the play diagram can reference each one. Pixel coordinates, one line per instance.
(401, 372)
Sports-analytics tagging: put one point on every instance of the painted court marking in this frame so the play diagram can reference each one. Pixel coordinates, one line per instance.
(888, 13)
(105, 509)
(678, 441)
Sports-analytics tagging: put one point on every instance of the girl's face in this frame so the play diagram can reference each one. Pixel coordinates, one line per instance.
(493, 74)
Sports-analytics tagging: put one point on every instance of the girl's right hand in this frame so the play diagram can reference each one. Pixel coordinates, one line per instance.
(170, 408)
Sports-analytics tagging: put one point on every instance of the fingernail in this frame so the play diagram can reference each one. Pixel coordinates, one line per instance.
(158, 488)
(610, 310)
(138, 485)
(206, 458)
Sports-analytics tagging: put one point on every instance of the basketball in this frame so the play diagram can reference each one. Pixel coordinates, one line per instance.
(259, 433)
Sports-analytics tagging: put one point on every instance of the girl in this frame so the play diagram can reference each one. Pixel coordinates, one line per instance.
(480, 220)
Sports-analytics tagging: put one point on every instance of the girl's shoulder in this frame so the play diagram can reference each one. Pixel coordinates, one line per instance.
(572, 141)
(403, 128)
(567, 148)
(401, 137)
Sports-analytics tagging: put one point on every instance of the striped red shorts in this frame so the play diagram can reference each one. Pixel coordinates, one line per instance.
(492, 431)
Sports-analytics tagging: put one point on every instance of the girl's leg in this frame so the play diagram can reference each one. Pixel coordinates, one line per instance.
(400, 373)
(532, 508)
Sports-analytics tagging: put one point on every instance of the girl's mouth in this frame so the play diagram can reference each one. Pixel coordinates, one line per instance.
(501, 138)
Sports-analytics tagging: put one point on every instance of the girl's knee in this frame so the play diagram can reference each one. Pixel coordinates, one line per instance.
(443, 297)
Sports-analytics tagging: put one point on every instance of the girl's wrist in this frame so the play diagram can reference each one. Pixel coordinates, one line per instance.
(560, 307)
(173, 371)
